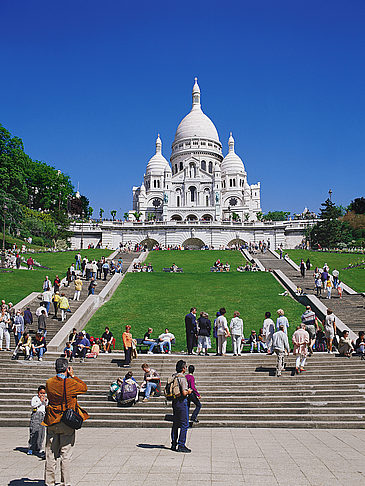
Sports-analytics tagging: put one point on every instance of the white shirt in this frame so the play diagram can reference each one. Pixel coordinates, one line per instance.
(236, 326)
(282, 320)
(268, 327)
(47, 296)
(38, 312)
(221, 325)
(168, 336)
(36, 403)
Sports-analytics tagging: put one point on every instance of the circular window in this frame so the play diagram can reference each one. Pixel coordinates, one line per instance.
(156, 203)
(233, 201)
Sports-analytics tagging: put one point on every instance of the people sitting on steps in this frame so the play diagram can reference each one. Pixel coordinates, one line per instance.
(151, 382)
(165, 341)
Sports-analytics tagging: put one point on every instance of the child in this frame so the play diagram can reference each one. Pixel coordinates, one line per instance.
(254, 342)
(339, 289)
(36, 429)
(194, 396)
(68, 351)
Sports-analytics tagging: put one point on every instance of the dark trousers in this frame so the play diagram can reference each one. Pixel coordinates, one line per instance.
(193, 398)
(98, 274)
(105, 271)
(189, 341)
(79, 352)
(180, 421)
(127, 355)
(55, 306)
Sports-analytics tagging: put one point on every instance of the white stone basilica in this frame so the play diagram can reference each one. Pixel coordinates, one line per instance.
(200, 184)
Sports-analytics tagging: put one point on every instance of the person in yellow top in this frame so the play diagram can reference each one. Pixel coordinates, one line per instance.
(56, 303)
(78, 288)
(329, 286)
(24, 346)
(127, 343)
(64, 305)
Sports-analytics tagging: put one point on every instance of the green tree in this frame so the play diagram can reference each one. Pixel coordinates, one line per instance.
(276, 216)
(126, 216)
(101, 211)
(259, 215)
(113, 213)
(330, 232)
(358, 205)
(90, 211)
(137, 215)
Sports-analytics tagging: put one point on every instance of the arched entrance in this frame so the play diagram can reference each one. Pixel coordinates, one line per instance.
(236, 242)
(149, 242)
(191, 217)
(176, 217)
(193, 243)
(207, 217)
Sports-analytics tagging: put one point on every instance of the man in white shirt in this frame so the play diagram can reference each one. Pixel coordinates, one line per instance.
(47, 299)
(280, 346)
(222, 332)
(38, 312)
(165, 339)
(268, 328)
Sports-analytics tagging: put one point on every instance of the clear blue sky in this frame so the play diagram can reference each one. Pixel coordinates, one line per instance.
(88, 84)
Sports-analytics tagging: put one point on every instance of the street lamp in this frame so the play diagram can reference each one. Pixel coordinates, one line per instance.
(82, 230)
(5, 208)
(330, 193)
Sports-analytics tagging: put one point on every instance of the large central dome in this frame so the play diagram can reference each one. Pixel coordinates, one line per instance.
(196, 123)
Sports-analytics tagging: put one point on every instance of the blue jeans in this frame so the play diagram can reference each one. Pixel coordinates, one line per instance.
(43, 331)
(17, 336)
(163, 343)
(181, 421)
(150, 344)
(47, 305)
(39, 352)
(150, 386)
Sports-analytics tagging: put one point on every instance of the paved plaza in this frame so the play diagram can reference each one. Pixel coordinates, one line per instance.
(287, 457)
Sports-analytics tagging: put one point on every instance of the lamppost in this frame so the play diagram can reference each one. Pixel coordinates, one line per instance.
(330, 193)
(229, 213)
(82, 229)
(5, 208)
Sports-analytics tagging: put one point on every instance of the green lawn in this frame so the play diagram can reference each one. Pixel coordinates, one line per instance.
(160, 300)
(354, 277)
(16, 285)
(11, 240)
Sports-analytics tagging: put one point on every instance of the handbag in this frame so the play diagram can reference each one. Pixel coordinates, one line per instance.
(69, 417)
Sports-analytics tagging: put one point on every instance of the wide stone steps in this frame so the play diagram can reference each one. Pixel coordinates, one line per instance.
(236, 392)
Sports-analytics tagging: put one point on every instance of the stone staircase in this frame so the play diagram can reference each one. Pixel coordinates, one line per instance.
(350, 309)
(54, 325)
(236, 391)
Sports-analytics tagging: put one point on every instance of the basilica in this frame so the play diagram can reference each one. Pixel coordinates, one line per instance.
(199, 183)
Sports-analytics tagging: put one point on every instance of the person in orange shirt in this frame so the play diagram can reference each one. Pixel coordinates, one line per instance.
(127, 343)
(60, 437)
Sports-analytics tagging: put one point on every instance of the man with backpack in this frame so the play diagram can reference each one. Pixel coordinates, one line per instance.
(177, 390)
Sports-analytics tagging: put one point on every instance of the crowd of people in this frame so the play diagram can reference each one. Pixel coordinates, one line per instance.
(142, 267)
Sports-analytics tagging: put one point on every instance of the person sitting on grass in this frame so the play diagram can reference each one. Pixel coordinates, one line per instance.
(151, 380)
(345, 347)
(165, 341)
(173, 267)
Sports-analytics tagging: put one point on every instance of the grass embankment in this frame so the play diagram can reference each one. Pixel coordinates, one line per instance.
(16, 285)
(160, 300)
(354, 277)
(11, 240)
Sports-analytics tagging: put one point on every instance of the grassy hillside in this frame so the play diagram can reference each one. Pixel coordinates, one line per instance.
(160, 300)
(354, 277)
(16, 285)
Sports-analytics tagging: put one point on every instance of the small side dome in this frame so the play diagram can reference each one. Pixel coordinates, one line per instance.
(232, 163)
(157, 163)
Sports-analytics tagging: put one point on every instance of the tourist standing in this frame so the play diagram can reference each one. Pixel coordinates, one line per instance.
(127, 343)
(28, 317)
(36, 429)
(204, 328)
(329, 324)
(105, 268)
(194, 396)
(268, 328)
(190, 329)
(56, 284)
(18, 328)
(302, 268)
(311, 325)
(222, 332)
(236, 327)
(56, 302)
(301, 341)
(62, 391)
(180, 411)
(4, 328)
(42, 323)
(329, 288)
(280, 346)
(78, 287)
(92, 285)
(47, 299)
(282, 319)
(64, 306)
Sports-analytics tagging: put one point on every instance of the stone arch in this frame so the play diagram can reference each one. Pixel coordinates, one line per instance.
(207, 217)
(237, 241)
(150, 242)
(192, 217)
(194, 243)
(176, 217)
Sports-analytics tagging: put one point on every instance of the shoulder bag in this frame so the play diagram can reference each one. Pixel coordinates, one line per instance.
(70, 417)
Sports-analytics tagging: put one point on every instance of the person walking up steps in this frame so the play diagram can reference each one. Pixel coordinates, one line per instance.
(280, 346)
(301, 341)
(194, 396)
